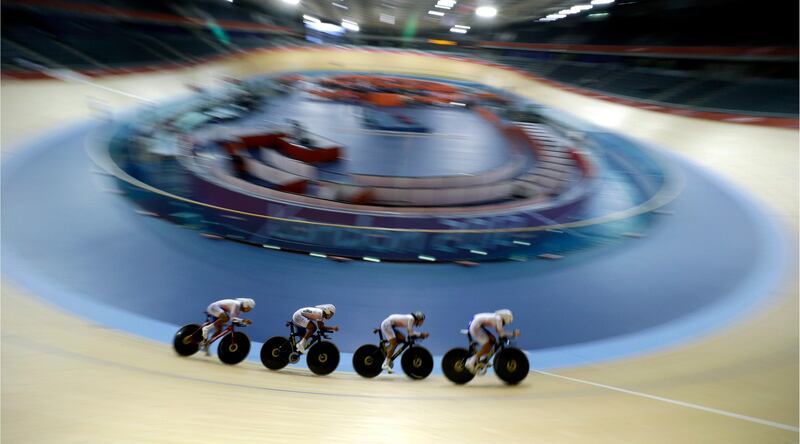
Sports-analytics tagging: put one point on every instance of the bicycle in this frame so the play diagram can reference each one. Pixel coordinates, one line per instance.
(233, 346)
(417, 361)
(322, 356)
(510, 363)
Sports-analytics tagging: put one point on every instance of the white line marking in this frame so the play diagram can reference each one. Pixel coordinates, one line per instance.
(68, 75)
(680, 403)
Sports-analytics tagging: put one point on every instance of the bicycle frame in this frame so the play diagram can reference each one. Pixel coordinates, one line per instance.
(497, 346)
(317, 336)
(384, 343)
(230, 328)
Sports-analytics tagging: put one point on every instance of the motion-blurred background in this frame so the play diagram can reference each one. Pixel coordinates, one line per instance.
(714, 55)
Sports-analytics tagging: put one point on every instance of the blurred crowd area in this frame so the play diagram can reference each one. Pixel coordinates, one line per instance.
(714, 55)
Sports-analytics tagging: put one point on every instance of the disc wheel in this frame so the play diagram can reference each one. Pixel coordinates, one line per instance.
(367, 360)
(233, 348)
(511, 365)
(417, 362)
(187, 340)
(323, 358)
(453, 366)
(275, 353)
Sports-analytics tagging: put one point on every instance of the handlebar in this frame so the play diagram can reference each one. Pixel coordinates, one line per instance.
(507, 340)
(409, 338)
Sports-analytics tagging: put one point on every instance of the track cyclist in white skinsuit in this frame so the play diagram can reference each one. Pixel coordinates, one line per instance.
(223, 311)
(407, 321)
(308, 319)
(479, 330)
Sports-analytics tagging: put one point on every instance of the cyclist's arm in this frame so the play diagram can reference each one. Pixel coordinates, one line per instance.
(410, 327)
(498, 325)
(321, 325)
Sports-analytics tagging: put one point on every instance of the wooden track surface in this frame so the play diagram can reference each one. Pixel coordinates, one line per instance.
(67, 380)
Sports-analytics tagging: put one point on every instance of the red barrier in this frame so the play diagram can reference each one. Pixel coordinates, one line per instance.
(298, 187)
(262, 140)
(515, 132)
(303, 154)
(583, 163)
(232, 147)
(362, 197)
(386, 99)
(488, 116)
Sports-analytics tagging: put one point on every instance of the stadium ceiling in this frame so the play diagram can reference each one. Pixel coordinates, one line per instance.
(395, 15)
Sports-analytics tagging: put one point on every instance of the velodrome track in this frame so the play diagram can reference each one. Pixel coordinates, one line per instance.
(68, 380)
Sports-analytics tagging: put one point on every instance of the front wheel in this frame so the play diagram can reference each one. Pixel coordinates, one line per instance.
(233, 348)
(453, 366)
(511, 365)
(187, 340)
(275, 353)
(323, 358)
(417, 362)
(367, 360)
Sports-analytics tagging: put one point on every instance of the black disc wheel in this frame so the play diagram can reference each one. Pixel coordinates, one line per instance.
(275, 353)
(453, 366)
(417, 362)
(233, 348)
(511, 365)
(323, 358)
(187, 340)
(367, 360)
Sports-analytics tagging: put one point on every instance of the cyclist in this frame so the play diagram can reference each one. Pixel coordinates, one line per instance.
(317, 315)
(407, 321)
(223, 311)
(479, 330)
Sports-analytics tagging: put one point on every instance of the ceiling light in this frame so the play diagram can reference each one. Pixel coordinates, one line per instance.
(486, 11)
(386, 18)
(439, 13)
(338, 5)
(308, 18)
(291, 2)
(462, 26)
(602, 2)
(582, 7)
(565, 12)
(556, 16)
(458, 30)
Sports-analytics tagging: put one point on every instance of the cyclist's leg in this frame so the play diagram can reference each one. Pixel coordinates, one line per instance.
(391, 335)
(309, 327)
(485, 340)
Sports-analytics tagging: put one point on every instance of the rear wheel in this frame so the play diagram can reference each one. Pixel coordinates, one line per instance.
(187, 340)
(233, 348)
(417, 362)
(511, 365)
(275, 352)
(367, 360)
(453, 366)
(323, 358)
